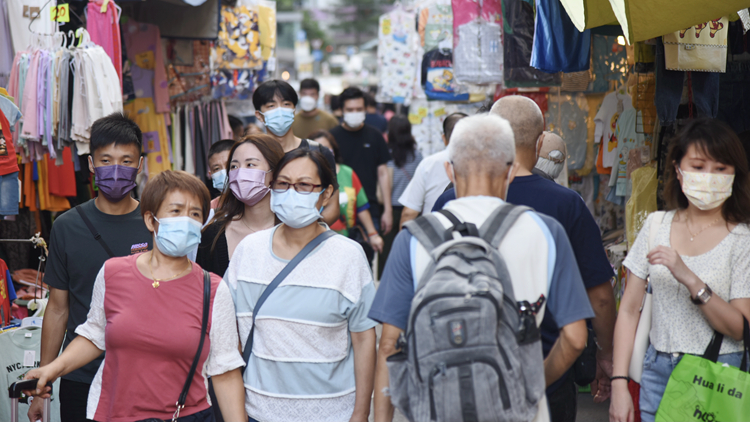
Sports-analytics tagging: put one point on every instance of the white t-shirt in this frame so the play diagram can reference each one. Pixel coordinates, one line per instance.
(428, 183)
(16, 345)
(606, 122)
(19, 24)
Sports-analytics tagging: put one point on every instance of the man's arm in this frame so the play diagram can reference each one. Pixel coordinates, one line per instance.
(332, 211)
(54, 324)
(363, 344)
(384, 181)
(383, 405)
(407, 215)
(603, 302)
(565, 351)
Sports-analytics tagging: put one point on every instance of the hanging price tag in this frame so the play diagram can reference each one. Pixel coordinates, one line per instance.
(60, 13)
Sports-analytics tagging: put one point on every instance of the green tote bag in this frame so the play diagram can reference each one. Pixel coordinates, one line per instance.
(700, 389)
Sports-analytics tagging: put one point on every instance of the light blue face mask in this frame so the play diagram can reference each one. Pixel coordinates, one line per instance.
(177, 236)
(294, 209)
(279, 120)
(219, 179)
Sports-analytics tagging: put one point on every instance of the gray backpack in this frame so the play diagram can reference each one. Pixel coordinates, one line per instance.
(470, 352)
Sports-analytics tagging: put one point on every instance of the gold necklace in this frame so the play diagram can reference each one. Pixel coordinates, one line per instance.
(155, 284)
(687, 223)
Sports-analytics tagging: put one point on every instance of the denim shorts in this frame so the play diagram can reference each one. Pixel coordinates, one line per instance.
(657, 367)
(9, 194)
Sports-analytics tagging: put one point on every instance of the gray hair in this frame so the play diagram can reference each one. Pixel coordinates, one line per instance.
(482, 143)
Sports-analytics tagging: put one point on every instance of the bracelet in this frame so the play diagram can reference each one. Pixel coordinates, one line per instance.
(619, 377)
(373, 234)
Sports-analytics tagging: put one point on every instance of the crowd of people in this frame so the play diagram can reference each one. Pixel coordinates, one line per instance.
(291, 220)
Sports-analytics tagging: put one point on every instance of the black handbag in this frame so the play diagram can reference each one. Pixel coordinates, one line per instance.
(584, 367)
(358, 234)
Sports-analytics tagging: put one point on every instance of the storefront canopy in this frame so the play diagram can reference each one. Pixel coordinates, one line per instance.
(645, 19)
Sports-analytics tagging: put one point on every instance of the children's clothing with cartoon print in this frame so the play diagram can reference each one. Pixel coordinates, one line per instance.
(397, 63)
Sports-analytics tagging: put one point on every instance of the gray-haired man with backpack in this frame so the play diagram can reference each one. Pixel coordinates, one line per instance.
(466, 346)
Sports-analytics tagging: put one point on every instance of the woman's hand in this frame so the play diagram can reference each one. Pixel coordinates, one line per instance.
(377, 242)
(662, 255)
(621, 408)
(45, 374)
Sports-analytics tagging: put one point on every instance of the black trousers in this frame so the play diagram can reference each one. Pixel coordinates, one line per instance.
(563, 402)
(73, 398)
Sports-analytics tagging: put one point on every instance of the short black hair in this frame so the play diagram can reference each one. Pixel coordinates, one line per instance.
(350, 93)
(335, 102)
(236, 123)
(370, 100)
(116, 129)
(269, 89)
(309, 83)
(450, 122)
(220, 146)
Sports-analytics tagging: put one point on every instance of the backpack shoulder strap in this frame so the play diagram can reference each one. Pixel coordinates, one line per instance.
(428, 230)
(499, 223)
(466, 229)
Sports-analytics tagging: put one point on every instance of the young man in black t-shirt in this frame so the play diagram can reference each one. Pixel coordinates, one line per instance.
(363, 148)
(75, 256)
(274, 103)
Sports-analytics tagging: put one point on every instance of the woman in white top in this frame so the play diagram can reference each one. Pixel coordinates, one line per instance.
(313, 354)
(699, 265)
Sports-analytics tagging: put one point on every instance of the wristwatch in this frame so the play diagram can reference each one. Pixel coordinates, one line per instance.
(703, 296)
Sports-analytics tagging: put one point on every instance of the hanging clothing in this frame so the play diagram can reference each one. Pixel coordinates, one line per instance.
(397, 63)
(8, 162)
(477, 41)
(104, 28)
(435, 24)
(238, 46)
(26, 17)
(628, 139)
(143, 45)
(567, 117)
(437, 77)
(6, 46)
(155, 137)
(558, 45)
(614, 104)
(518, 41)
(479, 55)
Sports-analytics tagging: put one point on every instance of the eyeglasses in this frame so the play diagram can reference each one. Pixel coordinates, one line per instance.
(281, 186)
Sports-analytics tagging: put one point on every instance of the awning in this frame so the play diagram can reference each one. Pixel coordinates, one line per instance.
(645, 19)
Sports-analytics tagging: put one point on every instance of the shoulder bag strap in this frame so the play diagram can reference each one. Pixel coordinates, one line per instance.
(204, 326)
(658, 217)
(93, 231)
(275, 283)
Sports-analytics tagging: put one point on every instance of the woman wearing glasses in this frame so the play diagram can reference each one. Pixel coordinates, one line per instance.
(244, 208)
(313, 349)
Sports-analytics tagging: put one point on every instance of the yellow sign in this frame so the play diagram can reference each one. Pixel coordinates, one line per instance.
(60, 13)
(415, 119)
(439, 112)
(422, 112)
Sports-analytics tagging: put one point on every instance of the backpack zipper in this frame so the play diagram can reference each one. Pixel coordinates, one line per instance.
(441, 367)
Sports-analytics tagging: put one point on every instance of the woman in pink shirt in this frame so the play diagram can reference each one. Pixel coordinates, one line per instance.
(146, 312)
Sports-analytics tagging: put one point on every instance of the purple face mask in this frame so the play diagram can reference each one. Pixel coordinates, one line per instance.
(248, 185)
(116, 181)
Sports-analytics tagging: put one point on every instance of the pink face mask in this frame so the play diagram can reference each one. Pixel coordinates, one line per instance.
(248, 185)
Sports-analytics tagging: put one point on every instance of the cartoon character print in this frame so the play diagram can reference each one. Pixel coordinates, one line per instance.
(612, 143)
(444, 82)
(715, 26)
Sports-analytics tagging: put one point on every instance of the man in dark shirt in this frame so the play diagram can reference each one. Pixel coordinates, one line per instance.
(274, 103)
(363, 148)
(373, 118)
(75, 256)
(567, 207)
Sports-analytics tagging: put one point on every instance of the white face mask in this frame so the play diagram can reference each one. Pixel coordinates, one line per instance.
(354, 120)
(308, 103)
(706, 190)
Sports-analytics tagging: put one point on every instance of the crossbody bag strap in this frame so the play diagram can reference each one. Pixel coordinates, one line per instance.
(93, 231)
(658, 217)
(275, 283)
(204, 326)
